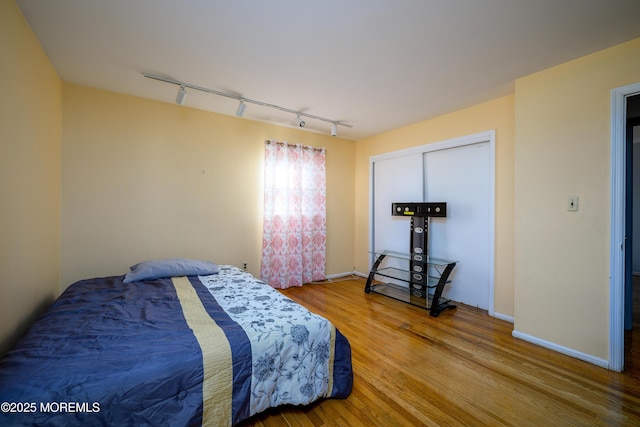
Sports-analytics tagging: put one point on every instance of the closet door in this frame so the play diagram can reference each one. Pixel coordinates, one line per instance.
(398, 179)
(461, 176)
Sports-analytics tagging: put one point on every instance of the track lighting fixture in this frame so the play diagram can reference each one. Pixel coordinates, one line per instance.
(182, 94)
(240, 110)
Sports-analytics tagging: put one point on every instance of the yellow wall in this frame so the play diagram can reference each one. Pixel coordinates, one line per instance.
(29, 177)
(144, 179)
(498, 115)
(563, 148)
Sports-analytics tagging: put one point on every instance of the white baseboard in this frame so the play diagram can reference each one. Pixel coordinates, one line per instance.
(503, 317)
(351, 273)
(561, 349)
(341, 275)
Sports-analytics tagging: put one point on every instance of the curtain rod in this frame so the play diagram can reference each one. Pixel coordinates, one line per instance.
(243, 99)
(288, 144)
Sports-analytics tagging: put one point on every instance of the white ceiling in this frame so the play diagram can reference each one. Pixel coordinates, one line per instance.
(375, 64)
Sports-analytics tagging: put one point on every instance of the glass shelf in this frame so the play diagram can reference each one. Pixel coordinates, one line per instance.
(406, 276)
(413, 257)
(422, 285)
(404, 294)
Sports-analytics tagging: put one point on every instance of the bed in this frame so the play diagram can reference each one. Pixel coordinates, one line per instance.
(210, 349)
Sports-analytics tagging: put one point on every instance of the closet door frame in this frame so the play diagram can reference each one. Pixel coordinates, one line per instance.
(489, 137)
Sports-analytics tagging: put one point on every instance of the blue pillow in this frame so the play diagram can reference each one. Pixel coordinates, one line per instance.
(171, 267)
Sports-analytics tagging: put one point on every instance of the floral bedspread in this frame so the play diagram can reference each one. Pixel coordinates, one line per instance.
(292, 348)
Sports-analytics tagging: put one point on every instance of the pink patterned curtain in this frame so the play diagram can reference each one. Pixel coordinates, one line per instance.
(294, 239)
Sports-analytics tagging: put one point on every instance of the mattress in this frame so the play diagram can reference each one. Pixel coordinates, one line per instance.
(179, 351)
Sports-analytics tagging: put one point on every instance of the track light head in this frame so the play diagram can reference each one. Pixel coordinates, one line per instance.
(182, 94)
(334, 129)
(299, 121)
(240, 110)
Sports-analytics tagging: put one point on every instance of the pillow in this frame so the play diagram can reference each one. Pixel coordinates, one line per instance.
(171, 267)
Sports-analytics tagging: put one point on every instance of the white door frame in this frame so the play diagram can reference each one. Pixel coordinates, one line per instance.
(618, 177)
(488, 136)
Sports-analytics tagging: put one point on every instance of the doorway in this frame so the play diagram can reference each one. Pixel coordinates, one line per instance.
(632, 249)
(618, 229)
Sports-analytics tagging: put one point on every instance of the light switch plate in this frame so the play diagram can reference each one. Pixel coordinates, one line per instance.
(572, 204)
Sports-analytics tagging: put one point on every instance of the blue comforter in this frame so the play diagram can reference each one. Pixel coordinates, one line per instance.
(210, 350)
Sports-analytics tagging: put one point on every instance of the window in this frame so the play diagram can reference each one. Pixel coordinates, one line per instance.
(294, 228)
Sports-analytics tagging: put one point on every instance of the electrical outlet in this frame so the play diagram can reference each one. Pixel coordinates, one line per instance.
(572, 203)
(244, 266)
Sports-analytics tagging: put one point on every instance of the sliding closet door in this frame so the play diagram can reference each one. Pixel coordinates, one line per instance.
(398, 179)
(461, 176)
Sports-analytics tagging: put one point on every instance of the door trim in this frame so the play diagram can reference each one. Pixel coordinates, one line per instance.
(488, 136)
(617, 249)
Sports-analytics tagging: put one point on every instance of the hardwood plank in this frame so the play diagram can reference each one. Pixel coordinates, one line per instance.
(462, 368)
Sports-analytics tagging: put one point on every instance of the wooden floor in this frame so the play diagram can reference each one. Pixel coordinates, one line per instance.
(462, 368)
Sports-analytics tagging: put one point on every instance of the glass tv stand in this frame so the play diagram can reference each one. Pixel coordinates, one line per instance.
(421, 282)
